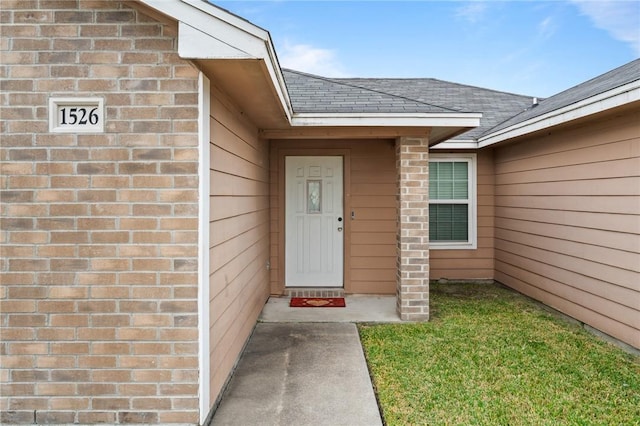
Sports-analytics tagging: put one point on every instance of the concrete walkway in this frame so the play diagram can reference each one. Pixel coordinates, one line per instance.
(305, 366)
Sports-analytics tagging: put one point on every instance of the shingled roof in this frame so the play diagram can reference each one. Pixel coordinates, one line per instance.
(315, 94)
(500, 110)
(613, 79)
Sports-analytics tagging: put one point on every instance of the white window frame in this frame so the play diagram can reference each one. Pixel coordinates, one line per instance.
(472, 202)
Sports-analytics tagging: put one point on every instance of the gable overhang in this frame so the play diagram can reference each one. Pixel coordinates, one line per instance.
(240, 59)
(237, 56)
(615, 98)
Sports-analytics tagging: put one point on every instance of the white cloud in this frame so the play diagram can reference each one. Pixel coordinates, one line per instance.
(314, 60)
(472, 11)
(621, 19)
(546, 28)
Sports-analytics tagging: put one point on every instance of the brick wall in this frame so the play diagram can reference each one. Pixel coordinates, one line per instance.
(98, 232)
(412, 160)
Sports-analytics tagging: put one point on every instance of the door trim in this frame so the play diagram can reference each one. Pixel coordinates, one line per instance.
(279, 154)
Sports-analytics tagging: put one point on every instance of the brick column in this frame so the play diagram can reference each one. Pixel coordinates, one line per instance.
(412, 160)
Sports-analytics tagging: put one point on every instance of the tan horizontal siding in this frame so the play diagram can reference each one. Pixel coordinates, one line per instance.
(373, 250)
(373, 188)
(373, 201)
(478, 263)
(567, 227)
(590, 251)
(365, 262)
(229, 163)
(597, 320)
(579, 172)
(604, 220)
(372, 238)
(566, 232)
(622, 186)
(239, 235)
(373, 232)
(607, 143)
(550, 275)
(363, 226)
(227, 252)
(223, 207)
(571, 203)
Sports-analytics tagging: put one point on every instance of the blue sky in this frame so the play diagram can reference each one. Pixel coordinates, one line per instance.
(535, 48)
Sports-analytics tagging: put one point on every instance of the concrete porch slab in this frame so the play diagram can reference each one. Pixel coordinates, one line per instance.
(360, 308)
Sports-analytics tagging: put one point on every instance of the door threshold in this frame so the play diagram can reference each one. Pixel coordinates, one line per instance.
(314, 292)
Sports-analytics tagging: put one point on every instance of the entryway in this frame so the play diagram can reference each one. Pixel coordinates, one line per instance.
(314, 222)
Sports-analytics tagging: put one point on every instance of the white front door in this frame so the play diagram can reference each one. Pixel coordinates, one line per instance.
(314, 222)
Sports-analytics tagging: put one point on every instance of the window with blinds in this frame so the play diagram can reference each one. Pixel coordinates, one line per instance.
(452, 201)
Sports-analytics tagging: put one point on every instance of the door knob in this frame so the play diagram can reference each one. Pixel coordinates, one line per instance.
(340, 229)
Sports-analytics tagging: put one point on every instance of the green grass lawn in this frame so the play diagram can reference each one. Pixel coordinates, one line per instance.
(491, 356)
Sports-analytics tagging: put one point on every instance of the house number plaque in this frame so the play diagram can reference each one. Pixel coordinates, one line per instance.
(76, 115)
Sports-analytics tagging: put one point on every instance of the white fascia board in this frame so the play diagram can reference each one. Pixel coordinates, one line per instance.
(386, 120)
(248, 38)
(208, 32)
(457, 144)
(190, 45)
(212, 23)
(611, 99)
(273, 66)
(227, 17)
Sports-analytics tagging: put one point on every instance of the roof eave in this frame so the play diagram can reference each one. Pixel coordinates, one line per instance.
(436, 126)
(240, 57)
(227, 39)
(604, 101)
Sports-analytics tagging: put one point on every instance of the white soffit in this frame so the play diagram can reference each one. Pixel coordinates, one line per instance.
(604, 101)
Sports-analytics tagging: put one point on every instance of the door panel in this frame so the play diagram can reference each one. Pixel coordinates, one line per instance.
(314, 219)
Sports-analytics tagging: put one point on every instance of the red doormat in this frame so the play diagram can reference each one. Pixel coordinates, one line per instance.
(317, 302)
